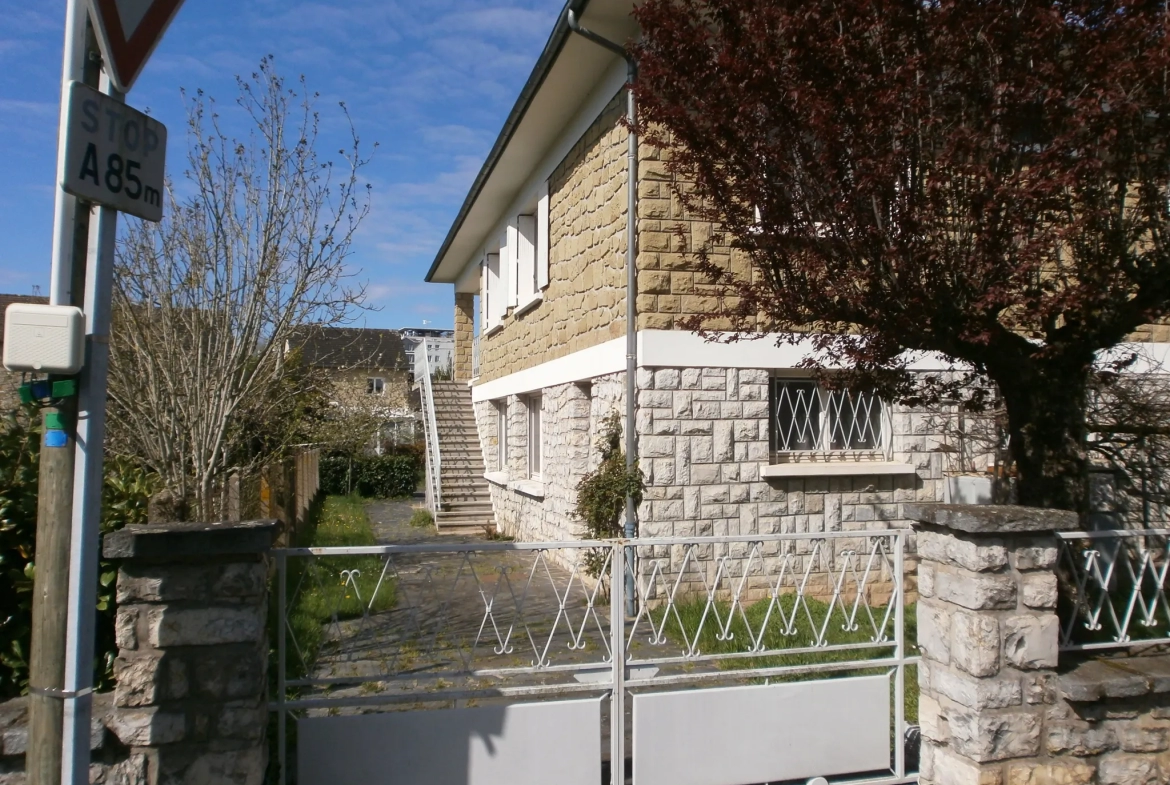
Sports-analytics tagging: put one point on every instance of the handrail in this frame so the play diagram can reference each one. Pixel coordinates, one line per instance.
(475, 357)
(434, 457)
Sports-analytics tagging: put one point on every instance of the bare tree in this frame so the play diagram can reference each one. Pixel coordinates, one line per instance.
(253, 247)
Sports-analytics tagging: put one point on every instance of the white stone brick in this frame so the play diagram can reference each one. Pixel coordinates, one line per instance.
(667, 379)
(723, 441)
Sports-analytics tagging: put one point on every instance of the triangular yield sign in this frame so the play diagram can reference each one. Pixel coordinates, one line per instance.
(128, 31)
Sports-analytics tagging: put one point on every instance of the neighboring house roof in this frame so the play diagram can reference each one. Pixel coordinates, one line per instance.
(8, 299)
(552, 95)
(350, 347)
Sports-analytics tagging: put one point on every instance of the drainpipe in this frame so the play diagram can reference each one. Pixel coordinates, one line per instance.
(631, 286)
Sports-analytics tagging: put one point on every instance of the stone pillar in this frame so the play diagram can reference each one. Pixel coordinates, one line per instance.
(192, 642)
(464, 334)
(989, 635)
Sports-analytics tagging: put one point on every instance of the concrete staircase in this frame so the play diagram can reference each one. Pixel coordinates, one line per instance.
(467, 501)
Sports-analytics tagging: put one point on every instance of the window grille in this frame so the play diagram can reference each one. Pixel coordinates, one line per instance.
(808, 418)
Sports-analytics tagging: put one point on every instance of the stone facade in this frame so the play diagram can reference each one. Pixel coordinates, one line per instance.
(584, 303)
(464, 329)
(999, 703)
(703, 440)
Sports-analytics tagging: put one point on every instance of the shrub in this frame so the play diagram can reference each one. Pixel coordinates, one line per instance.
(422, 518)
(601, 494)
(125, 494)
(384, 477)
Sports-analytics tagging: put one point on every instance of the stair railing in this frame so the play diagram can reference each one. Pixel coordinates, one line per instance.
(434, 459)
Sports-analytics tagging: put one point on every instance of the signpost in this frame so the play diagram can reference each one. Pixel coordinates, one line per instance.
(114, 155)
(113, 158)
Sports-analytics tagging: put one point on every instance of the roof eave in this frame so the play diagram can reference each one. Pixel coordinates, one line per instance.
(552, 49)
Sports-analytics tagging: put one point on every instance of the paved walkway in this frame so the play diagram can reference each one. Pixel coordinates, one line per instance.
(462, 613)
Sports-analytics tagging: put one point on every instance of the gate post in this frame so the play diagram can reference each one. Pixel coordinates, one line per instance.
(988, 634)
(192, 636)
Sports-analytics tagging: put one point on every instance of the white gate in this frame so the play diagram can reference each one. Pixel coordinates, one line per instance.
(750, 659)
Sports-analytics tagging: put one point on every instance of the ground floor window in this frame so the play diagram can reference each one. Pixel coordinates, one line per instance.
(807, 417)
(502, 435)
(535, 437)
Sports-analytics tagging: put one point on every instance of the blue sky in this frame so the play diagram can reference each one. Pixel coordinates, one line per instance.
(431, 81)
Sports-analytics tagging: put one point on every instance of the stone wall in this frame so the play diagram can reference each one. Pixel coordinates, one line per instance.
(999, 703)
(584, 303)
(191, 627)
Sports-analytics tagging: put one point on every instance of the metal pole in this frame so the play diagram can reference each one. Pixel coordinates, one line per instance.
(900, 654)
(87, 491)
(56, 464)
(281, 662)
(617, 645)
(631, 525)
(64, 205)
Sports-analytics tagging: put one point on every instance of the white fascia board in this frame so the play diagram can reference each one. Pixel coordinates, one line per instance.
(604, 358)
(607, 87)
(681, 349)
(685, 349)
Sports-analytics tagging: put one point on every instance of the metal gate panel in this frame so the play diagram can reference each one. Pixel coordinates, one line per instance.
(518, 744)
(736, 735)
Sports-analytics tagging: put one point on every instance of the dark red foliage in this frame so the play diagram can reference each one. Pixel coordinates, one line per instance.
(983, 179)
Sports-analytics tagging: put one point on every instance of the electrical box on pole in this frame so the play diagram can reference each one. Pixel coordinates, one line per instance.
(46, 339)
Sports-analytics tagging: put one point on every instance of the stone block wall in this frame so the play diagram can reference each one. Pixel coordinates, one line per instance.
(191, 627)
(1000, 704)
(584, 303)
(464, 331)
(542, 510)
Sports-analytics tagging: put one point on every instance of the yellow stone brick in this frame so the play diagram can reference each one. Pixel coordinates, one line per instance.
(656, 282)
(1064, 772)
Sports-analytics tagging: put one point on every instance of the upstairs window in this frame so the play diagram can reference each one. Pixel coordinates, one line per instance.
(805, 417)
(494, 300)
(528, 244)
(375, 385)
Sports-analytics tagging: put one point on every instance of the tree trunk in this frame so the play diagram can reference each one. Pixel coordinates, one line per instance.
(1045, 404)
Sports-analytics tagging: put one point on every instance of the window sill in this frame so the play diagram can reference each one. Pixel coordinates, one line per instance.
(497, 478)
(528, 306)
(836, 469)
(495, 328)
(528, 488)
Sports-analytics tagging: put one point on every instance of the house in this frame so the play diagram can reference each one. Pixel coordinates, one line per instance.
(10, 382)
(370, 373)
(733, 438)
(440, 350)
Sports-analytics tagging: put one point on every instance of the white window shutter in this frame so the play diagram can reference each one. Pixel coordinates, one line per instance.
(484, 295)
(496, 287)
(510, 258)
(542, 238)
(525, 257)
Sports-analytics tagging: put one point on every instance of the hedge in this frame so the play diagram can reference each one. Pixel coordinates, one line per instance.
(383, 477)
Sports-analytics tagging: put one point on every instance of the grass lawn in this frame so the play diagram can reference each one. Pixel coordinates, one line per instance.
(330, 587)
(778, 635)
